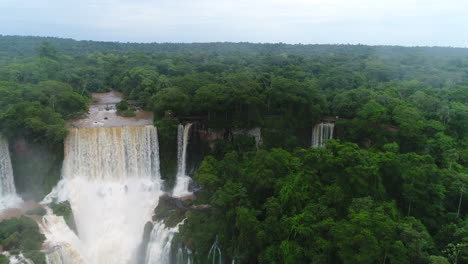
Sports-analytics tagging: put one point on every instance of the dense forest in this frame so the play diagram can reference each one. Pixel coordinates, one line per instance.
(392, 188)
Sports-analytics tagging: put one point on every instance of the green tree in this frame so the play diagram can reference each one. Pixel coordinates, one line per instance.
(172, 99)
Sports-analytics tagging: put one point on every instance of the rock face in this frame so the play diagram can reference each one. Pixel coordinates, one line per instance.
(175, 203)
(202, 143)
(256, 133)
(172, 210)
(211, 135)
(36, 168)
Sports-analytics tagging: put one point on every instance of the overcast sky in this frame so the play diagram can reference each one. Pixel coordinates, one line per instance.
(394, 22)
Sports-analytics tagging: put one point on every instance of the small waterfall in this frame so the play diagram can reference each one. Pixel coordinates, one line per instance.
(159, 246)
(321, 133)
(8, 197)
(184, 255)
(111, 178)
(181, 187)
(19, 259)
(215, 254)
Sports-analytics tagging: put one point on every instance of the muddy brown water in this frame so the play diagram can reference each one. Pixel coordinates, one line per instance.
(111, 97)
(21, 210)
(103, 113)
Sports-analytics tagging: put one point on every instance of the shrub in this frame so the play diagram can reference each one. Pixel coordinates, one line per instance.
(122, 106)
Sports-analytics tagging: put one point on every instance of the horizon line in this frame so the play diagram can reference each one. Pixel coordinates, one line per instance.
(238, 42)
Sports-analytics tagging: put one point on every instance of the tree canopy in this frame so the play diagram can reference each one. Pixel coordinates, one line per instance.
(390, 189)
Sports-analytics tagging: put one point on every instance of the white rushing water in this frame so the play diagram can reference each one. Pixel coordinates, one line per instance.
(159, 246)
(19, 259)
(321, 133)
(184, 256)
(8, 197)
(111, 178)
(215, 254)
(181, 187)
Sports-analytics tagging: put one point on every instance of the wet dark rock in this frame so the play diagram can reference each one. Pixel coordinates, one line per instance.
(170, 210)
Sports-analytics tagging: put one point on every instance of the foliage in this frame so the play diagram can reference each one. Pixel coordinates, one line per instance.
(122, 105)
(64, 209)
(341, 204)
(391, 190)
(22, 235)
(167, 138)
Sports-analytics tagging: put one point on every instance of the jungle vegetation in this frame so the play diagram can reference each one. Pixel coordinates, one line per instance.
(391, 189)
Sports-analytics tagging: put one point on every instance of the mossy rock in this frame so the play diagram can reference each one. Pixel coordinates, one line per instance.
(170, 210)
(64, 209)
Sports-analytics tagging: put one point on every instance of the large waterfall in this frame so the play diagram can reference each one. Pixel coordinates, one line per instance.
(8, 197)
(321, 133)
(182, 179)
(111, 178)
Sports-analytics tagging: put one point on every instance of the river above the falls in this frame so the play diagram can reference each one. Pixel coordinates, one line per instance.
(103, 113)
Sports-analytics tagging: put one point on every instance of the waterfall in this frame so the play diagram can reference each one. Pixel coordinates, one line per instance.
(112, 154)
(321, 133)
(8, 197)
(19, 259)
(65, 244)
(184, 255)
(111, 178)
(181, 187)
(159, 246)
(215, 254)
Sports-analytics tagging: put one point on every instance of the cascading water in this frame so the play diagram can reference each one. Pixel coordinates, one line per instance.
(215, 254)
(182, 179)
(184, 256)
(159, 246)
(111, 178)
(321, 133)
(8, 197)
(19, 259)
